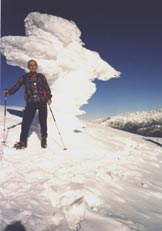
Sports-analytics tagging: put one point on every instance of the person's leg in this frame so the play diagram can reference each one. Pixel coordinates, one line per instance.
(28, 116)
(43, 123)
(43, 119)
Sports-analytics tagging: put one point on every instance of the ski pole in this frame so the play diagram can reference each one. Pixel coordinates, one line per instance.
(57, 128)
(4, 123)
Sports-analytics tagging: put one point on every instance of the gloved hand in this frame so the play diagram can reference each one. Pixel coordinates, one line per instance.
(6, 93)
(49, 102)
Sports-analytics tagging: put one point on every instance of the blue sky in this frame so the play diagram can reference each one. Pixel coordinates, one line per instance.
(127, 34)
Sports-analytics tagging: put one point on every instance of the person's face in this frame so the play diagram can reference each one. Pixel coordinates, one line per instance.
(32, 66)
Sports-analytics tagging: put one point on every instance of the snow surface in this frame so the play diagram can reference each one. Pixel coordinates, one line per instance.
(107, 180)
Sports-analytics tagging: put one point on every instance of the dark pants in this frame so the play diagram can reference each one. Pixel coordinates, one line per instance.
(28, 116)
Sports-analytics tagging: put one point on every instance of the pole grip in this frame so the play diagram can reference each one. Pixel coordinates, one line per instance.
(5, 92)
(5, 103)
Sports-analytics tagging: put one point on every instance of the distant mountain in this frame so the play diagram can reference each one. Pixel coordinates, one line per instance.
(142, 123)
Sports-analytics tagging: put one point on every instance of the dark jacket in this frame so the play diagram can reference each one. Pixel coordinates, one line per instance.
(36, 87)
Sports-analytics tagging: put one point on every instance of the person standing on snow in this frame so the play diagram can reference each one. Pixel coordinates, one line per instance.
(37, 95)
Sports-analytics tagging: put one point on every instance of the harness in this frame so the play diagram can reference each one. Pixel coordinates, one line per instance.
(35, 95)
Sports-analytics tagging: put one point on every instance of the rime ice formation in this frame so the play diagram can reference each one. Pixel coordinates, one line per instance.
(69, 67)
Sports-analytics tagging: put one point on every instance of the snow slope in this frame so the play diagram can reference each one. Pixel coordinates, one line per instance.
(107, 180)
(148, 123)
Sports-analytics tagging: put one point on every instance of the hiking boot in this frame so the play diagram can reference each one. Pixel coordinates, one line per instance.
(43, 142)
(20, 145)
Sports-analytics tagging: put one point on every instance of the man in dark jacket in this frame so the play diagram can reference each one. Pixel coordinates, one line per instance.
(37, 95)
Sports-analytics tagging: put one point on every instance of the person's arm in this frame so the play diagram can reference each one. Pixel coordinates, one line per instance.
(48, 90)
(16, 86)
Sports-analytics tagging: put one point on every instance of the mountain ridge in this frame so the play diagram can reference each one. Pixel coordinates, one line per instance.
(146, 123)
